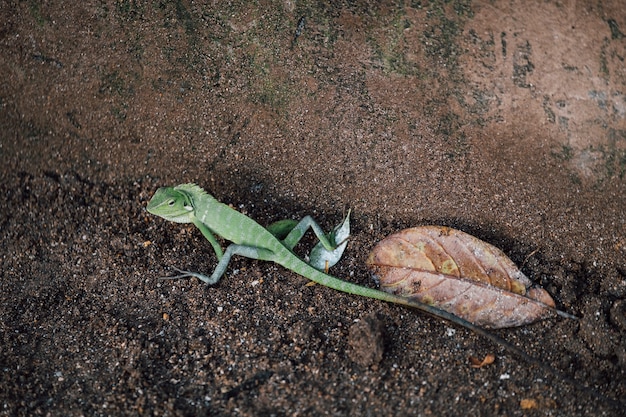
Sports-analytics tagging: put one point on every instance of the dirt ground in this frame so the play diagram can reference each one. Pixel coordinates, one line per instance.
(504, 119)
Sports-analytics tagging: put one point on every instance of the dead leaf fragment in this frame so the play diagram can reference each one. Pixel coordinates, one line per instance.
(528, 404)
(458, 273)
(477, 363)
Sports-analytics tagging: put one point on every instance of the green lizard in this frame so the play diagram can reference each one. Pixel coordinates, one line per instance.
(188, 203)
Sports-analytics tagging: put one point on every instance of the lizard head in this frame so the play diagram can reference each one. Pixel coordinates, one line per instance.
(171, 204)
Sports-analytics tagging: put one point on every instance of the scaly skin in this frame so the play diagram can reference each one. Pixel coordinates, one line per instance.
(188, 203)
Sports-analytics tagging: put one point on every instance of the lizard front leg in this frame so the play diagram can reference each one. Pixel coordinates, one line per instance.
(206, 232)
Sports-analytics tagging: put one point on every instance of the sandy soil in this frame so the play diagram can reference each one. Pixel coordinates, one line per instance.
(506, 120)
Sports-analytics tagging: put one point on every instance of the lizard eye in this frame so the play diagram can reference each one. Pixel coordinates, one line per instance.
(171, 203)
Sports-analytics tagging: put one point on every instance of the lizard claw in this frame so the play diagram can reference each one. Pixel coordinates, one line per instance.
(186, 274)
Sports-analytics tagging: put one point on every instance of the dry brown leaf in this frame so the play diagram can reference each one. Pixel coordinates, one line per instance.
(461, 274)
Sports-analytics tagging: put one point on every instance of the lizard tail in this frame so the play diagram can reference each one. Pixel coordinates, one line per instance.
(297, 265)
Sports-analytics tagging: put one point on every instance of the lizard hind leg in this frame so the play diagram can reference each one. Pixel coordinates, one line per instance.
(298, 231)
(241, 250)
(330, 247)
(281, 228)
(247, 251)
